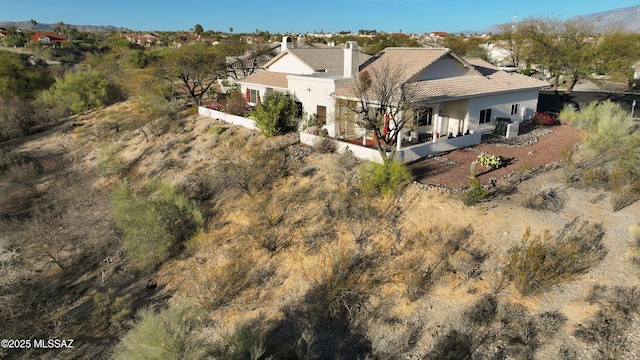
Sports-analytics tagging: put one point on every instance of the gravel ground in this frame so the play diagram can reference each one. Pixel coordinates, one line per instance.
(535, 148)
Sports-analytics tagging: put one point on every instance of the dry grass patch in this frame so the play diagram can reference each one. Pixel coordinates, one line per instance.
(437, 252)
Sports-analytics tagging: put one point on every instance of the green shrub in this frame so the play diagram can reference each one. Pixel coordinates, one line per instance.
(169, 334)
(80, 91)
(109, 308)
(155, 222)
(609, 156)
(389, 178)
(475, 193)
(109, 162)
(543, 260)
(276, 114)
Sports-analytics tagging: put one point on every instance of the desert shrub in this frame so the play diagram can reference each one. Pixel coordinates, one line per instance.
(609, 156)
(110, 308)
(200, 185)
(166, 334)
(483, 311)
(625, 195)
(245, 341)
(497, 330)
(634, 231)
(276, 114)
(214, 285)
(606, 330)
(454, 345)
(10, 158)
(17, 118)
(439, 252)
(391, 339)
(343, 289)
(420, 277)
(274, 226)
(475, 193)
(546, 200)
(216, 130)
(251, 167)
(80, 91)
(325, 145)
(543, 260)
(155, 222)
(389, 178)
(109, 162)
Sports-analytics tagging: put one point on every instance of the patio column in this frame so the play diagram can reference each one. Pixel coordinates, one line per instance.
(436, 127)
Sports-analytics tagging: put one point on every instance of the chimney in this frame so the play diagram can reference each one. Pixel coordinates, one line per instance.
(286, 42)
(351, 59)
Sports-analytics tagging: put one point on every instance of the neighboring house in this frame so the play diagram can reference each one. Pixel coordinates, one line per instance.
(145, 40)
(47, 38)
(451, 96)
(310, 74)
(239, 67)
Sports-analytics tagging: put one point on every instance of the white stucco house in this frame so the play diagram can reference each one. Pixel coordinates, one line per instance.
(310, 74)
(455, 100)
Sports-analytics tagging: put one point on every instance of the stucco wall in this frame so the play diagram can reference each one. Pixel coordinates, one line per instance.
(500, 106)
(289, 64)
(233, 119)
(444, 68)
(313, 92)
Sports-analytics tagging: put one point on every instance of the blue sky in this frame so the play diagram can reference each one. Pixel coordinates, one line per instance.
(280, 16)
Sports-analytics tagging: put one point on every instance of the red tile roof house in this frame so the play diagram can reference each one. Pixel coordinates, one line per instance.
(455, 101)
(47, 38)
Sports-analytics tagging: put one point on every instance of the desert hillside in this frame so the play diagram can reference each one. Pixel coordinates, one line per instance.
(194, 239)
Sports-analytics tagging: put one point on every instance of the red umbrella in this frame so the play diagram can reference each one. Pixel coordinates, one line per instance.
(247, 97)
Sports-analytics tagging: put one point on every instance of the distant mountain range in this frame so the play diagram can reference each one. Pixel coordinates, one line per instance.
(626, 18)
(26, 25)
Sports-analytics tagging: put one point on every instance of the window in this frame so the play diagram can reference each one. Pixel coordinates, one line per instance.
(269, 91)
(253, 96)
(485, 116)
(321, 111)
(514, 109)
(423, 116)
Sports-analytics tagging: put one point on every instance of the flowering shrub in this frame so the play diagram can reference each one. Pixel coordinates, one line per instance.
(542, 119)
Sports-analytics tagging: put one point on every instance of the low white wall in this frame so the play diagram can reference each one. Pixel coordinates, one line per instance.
(415, 152)
(405, 155)
(233, 119)
(358, 151)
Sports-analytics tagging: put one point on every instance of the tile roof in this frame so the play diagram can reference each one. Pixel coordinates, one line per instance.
(53, 37)
(469, 86)
(484, 79)
(267, 78)
(320, 59)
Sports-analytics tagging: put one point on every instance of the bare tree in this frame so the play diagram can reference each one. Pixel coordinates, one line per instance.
(562, 48)
(243, 66)
(379, 101)
(514, 41)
